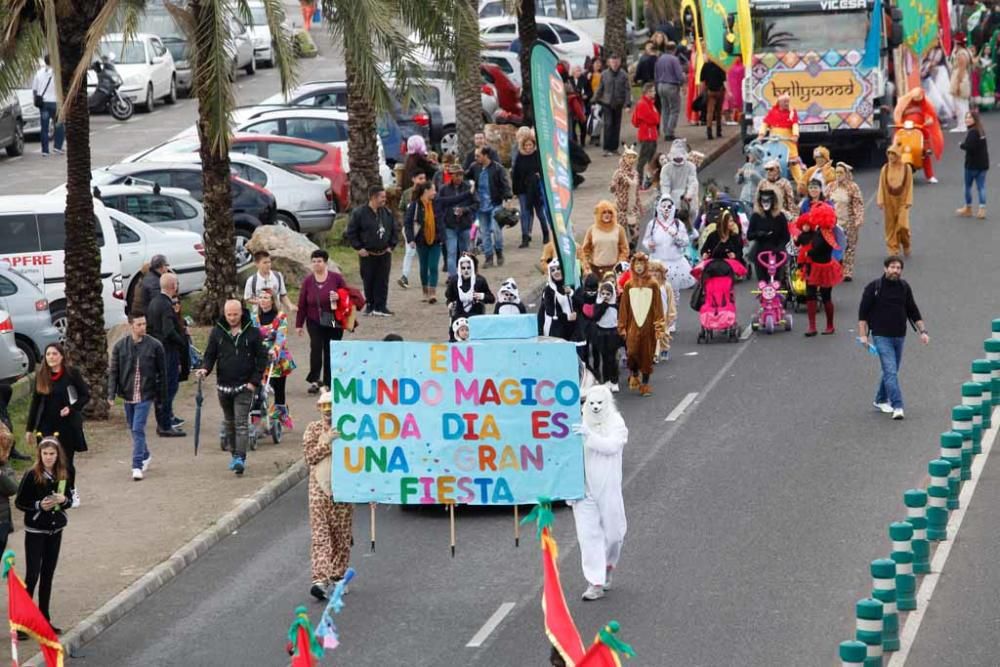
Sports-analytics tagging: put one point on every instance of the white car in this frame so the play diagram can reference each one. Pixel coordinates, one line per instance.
(160, 207)
(588, 15)
(241, 48)
(30, 114)
(508, 62)
(260, 35)
(13, 360)
(138, 242)
(569, 41)
(146, 67)
(304, 200)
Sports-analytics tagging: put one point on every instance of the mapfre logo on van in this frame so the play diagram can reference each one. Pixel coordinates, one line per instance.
(840, 5)
(26, 261)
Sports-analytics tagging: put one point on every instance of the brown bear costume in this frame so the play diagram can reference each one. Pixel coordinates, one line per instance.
(641, 322)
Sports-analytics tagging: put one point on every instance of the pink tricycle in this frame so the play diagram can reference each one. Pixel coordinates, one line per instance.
(771, 313)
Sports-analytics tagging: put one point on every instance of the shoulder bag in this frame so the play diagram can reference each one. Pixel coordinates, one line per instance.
(326, 318)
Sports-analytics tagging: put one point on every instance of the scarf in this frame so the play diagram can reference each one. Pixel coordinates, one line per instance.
(429, 231)
(465, 295)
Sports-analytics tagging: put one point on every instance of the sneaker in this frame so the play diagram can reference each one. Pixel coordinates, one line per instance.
(76, 498)
(383, 313)
(883, 407)
(239, 465)
(606, 154)
(369, 312)
(136, 474)
(499, 258)
(932, 179)
(177, 421)
(172, 433)
(593, 593)
(317, 591)
(897, 413)
(145, 464)
(45, 154)
(313, 388)
(403, 282)
(59, 151)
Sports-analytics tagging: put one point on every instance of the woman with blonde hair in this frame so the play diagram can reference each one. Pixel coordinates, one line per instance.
(526, 183)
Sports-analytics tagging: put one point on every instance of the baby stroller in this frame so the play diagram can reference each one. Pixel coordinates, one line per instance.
(714, 299)
(265, 420)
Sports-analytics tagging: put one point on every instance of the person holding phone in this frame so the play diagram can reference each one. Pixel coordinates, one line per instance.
(44, 495)
(57, 401)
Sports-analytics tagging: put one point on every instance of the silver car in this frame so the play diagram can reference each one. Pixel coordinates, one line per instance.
(29, 113)
(29, 311)
(13, 361)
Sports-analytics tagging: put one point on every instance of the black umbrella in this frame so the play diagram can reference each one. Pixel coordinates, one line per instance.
(199, 398)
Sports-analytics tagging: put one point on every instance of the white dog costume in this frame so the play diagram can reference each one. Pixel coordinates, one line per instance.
(600, 514)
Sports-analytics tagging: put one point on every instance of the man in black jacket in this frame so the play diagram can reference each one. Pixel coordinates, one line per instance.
(138, 374)
(163, 324)
(489, 180)
(235, 347)
(886, 305)
(614, 94)
(371, 231)
(459, 203)
(150, 285)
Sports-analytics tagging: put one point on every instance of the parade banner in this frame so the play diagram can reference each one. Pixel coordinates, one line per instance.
(499, 327)
(920, 25)
(548, 97)
(477, 424)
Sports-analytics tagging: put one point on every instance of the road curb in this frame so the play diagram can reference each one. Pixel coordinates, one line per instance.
(718, 151)
(140, 589)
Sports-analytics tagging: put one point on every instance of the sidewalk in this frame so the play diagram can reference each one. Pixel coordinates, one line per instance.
(124, 529)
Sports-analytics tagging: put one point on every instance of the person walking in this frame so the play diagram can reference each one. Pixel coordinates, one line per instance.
(138, 374)
(163, 324)
(371, 231)
(235, 347)
(150, 285)
(479, 141)
(846, 198)
(895, 198)
(264, 278)
(886, 305)
(423, 228)
(526, 182)
(405, 198)
(961, 77)
(417, 161)
(816, 245)
(613, 94)
(458, 202)
(977, 163)
(645, 70)
(330, 522)
(273, 325)
(44, 87)
(669, 79)
(318, 299)
(44, 495)
(646, 119)
(58, 397)
(713, 85)
(492, 188)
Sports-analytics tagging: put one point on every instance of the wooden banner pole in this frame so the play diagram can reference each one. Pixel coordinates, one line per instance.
(451, 522)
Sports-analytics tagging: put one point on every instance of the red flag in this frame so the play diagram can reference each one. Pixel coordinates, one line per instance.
(24, 615)
(303, 656)
(599, 655)
(559, 625)
(304, 648)
(944, 22)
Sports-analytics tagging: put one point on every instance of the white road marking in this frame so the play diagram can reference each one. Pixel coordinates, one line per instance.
(490, 625)
(681, 407)
(908, 634)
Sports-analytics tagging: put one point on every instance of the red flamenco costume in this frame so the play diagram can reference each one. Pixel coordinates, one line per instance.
(914, 106)
(782, 122)
(817, 241)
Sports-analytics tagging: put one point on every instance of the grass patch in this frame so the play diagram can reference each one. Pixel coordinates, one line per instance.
(342, 254)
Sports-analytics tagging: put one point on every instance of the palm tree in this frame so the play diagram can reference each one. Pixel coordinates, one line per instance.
(380, 38)
(468, 100)
(527, 33)
(615, 40)
(207, 24)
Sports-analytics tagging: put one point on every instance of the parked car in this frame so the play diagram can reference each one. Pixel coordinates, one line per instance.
(160, 23)
(146, 67)
(260, 34)
(566, 39)
(11, 126)
(508, 63)
(30, 114)
(163, 208)
(139, 242)
(28, 307)
(587, 15)
(241, 48)
(13, 360)
(33, 229)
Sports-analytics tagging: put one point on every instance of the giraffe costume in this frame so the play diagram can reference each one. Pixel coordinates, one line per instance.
(845, 197)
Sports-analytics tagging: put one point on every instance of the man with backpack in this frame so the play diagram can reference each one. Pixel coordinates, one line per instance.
(886, 306)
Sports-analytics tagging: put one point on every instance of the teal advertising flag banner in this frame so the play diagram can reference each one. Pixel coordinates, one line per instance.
(466, 423)
(548, 96)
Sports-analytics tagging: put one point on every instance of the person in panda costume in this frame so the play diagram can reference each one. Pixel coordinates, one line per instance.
(556, 317)
(604, 341)
(668, 240)
(509, 299)
(467, 293)
(460, 330)
(600, 514)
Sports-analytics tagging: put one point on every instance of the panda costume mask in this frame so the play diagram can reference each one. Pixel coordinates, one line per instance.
(509, 299)
(467, 293)
(556, 316)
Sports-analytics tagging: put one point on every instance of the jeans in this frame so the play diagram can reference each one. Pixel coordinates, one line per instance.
(235, 420)
(890, 355)
(979, 177)
(429, 256)
(319, 351)
(670, 106)
(48, 114)
(408, 260)
(490, 231)
(375, 277)
(457, 242)
(165, 412)
(529, 209)
(612, 128)
(136, 415)
(41, 554)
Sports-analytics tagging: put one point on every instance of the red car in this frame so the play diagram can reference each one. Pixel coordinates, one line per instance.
(302, 155)
(508, 93)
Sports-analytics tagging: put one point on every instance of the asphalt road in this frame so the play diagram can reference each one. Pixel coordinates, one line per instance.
(752, 518)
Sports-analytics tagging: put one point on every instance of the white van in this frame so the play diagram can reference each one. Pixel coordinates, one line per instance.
(33, 241)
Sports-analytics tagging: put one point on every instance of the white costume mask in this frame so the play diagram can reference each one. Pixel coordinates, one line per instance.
(466, 281)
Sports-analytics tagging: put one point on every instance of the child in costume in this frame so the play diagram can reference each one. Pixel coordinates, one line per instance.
(273, 325)
(460, 330)
(625, 187)
(556, 316)
(606, 241)
(816, 243)
(508, 299)
(467, 293)
(600, 515)
(668, 240)
(604, 341)
(641, 322)
(659, 273)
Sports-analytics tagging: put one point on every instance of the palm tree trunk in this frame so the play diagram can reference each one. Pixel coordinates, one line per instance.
(615, 39)
(86, 340)
(362, 145)
(527, 32)
(468, 101)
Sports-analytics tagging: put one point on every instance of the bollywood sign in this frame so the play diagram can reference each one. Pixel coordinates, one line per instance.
(828, 87)
(477, 424)
(552, 129)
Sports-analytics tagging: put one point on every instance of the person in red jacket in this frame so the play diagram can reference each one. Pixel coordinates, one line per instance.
(646, 119)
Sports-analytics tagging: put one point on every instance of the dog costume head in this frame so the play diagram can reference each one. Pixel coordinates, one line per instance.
(599, 406)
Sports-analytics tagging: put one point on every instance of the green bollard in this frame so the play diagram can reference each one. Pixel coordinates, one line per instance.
(961, 422)
(995, 328)
(972, 396)
(937, 500)
(869, 630)
(853, 654)
(951, 451)
(982, 372)
(884, 590)
(916, 515)
(992, 347)
(901, 534)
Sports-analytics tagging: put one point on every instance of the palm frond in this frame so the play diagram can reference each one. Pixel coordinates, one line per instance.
(107, 15)
(21, 48)
(283, 46)
(211, 61)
